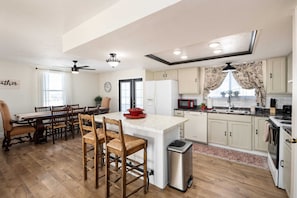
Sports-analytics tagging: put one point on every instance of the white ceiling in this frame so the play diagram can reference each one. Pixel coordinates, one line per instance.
(31, 31)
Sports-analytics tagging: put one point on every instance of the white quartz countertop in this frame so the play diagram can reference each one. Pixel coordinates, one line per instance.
(153, 123)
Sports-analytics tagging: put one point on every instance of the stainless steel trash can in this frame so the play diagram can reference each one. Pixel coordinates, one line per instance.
(180, 168)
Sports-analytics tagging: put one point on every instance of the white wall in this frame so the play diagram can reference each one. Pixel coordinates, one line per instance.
(22, 99)
(85, 88)
(114, 78)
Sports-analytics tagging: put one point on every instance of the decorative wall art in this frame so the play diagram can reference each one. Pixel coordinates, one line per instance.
(9, 84)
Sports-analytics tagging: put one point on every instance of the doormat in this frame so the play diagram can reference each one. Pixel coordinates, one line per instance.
(231, 155)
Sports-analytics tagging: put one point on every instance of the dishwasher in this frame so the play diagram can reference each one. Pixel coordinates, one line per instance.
(195, 128)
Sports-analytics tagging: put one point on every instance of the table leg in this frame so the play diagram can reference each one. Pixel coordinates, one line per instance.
(39, 136)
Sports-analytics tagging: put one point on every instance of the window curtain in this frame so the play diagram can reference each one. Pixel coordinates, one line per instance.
(213, 78)
(250, 76)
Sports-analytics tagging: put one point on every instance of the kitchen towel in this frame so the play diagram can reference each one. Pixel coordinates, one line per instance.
(267, 132)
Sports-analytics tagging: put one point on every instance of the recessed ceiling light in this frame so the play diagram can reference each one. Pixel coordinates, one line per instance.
(177, 52)
(214, 45)
(184, 57)
(217, 51)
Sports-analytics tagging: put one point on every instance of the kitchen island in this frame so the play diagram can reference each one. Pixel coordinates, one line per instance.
(159, 131)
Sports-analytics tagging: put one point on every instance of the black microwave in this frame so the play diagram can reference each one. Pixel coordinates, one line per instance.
(186, 104)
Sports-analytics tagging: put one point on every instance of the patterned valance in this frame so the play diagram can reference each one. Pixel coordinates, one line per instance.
(248, 76)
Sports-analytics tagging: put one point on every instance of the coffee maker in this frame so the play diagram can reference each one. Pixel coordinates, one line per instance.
(287, 111)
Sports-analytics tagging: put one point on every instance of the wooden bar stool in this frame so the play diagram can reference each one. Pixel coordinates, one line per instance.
(123, 146)
(95, 138)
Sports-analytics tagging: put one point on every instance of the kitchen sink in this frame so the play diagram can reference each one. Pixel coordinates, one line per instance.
(231, 111)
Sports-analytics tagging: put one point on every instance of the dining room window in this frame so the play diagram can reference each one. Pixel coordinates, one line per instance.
(53, 89)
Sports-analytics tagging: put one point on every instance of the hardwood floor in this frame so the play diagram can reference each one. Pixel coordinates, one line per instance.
(48, 170)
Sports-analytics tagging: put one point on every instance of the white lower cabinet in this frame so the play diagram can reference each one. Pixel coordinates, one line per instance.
(230, 130)
(240, 135)
(217, 131)
(259, 130)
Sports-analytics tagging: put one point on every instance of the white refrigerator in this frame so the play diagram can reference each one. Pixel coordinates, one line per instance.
(160, 97)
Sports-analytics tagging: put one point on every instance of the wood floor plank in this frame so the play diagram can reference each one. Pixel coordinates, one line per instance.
(48, 170)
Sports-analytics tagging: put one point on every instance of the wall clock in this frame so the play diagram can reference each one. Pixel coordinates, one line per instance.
(107, 86)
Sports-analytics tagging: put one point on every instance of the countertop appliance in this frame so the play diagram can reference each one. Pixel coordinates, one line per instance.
(276, 146)
(287, 110)
(186, 103)
(196, 127)
(160, 97)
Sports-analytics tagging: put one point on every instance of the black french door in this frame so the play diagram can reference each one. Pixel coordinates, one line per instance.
(130, 94)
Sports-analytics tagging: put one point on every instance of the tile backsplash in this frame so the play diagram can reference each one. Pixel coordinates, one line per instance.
(280, 100)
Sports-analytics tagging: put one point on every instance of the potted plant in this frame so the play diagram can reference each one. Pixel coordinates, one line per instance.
(236, 93)
(98, 100)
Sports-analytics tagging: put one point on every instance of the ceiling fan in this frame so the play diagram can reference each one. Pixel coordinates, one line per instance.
(75, 69)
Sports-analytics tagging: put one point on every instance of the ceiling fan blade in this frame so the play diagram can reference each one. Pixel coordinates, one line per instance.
(87, 68)
(80, 67)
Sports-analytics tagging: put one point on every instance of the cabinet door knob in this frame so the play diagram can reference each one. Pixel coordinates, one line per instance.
(256, 131)
(230, 133)
(270, 75)
(225, 133)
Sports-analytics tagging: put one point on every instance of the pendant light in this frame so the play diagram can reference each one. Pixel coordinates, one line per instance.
(228, 68)
(113, 61)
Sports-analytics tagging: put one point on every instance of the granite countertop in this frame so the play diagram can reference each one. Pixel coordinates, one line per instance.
(260, 112)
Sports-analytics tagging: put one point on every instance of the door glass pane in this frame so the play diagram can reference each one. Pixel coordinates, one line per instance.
(139, 94)
(125, 96)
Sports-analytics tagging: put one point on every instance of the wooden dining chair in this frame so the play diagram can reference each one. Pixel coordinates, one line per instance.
(104, 107)
(73, 105)
(59, 123)
(73, 118)
(42, 109)
(58, 107)
(44, 123)
(93, 110)
(123, 145)
(14, 130)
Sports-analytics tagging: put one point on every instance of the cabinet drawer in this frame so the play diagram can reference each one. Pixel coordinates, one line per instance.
(237, 118)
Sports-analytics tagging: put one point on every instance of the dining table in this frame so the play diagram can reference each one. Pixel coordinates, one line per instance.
(37, 118)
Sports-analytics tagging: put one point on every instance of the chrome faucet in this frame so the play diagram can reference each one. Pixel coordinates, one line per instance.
(229, 102)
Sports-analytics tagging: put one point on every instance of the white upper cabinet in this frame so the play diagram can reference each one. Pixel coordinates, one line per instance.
(276, 75)
(166, 75)
(188, 80)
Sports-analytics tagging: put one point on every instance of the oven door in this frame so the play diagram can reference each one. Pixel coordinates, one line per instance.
(273, 144)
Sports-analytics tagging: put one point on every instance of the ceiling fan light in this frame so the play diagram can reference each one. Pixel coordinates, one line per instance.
(228, 68)
(74, 70)
(112, 60)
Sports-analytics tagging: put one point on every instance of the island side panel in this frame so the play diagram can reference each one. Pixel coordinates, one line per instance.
(156, 152)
